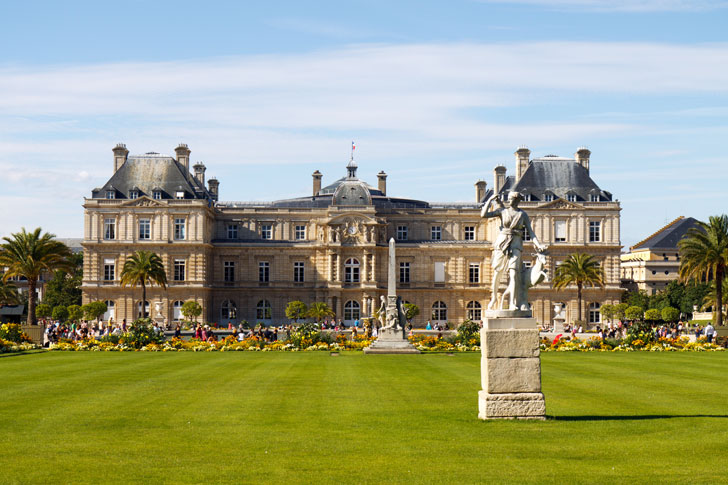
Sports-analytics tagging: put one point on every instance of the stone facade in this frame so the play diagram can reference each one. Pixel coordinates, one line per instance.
(246, 261)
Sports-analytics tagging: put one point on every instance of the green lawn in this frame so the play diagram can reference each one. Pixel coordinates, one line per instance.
(224, 417)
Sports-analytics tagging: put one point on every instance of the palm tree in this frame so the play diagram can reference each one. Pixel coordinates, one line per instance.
(142, 268)
(29, 254)
(703, 257)
(8, 293)
(580, 269)
(319, 310)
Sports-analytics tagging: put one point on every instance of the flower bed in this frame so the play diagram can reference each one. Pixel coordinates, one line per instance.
(428, 343)
(595, 344)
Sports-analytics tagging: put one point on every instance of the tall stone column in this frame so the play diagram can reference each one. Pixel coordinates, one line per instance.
(365, 268)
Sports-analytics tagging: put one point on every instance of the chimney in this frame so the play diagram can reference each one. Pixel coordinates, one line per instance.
(200, 172)
(522, 157)
(479, 190)
(582, 157)
(183, 155)
(499, 178)
(316, 182)
(120, 154)
(213, 186)
(382, 182)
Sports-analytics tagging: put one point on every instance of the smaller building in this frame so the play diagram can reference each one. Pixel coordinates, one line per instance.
(651, 264)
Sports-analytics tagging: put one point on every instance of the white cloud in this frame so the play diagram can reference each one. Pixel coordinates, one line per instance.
(622, 5)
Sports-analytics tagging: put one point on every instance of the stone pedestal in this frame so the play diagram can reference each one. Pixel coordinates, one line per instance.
(391, 341)
(510, 368)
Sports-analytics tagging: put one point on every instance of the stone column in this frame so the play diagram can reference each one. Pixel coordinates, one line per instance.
(365, 268)
(510, 368)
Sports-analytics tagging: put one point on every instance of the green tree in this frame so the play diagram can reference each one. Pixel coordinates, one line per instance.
(580, 269)
(704, 255)
(296, 310)
(94, 310)
(636, 298)
(8, 293)
(75, 313)
(60, 313)
(319, 310)
(143, 268)
(29, 254)
(43, 310)
(619, 310)
(64, 287)
(607, 311)
(191, 310)
(634, 313)
(653, 314)
(411, 311)
(670, 314)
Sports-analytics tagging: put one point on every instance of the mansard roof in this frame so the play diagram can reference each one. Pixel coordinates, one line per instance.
(668, 236)
(152, 172)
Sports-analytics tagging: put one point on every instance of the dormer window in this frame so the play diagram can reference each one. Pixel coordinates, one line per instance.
(571, 197)
(110, 194)
(594, 197)
(527, 197)
(179, 194)
(157, 194)
(548, 197)
(133, 194)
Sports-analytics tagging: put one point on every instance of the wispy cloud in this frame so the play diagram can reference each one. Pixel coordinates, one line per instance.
(621, 5)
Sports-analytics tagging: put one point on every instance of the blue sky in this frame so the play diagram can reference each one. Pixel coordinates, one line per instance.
(434, 93)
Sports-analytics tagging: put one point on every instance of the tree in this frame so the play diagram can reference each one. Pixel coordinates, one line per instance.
(636, 298)
(670, 314)
(64, 287)
(8, 293)
(704, 255)
(619, 310)
(43, 310)
(580, 269)
(319, 310)
(94, 310)
(296, 310)
(60, 313)
(607, 311)
(29, 254)
(653, 314)
(142, 268)
(634, 313)
(411, 311)
(75, 313)
(191, 310)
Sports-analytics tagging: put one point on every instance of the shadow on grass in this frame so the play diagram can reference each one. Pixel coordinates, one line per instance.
(24, 352)
(638, 417)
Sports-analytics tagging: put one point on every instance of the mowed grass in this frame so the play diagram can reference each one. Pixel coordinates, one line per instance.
(314, 418)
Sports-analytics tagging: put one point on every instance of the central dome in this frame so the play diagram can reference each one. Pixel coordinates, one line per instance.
(352, 192)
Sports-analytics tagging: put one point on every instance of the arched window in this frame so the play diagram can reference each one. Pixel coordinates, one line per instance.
(110, 311)
(228, 310)
(139, 309)
(351, 311)
(439, 311)
(594, 315)
(351, 270)
(177, 310)
(263, 311)
(474, 311)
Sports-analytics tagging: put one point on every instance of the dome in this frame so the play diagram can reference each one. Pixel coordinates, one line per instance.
(352, 192)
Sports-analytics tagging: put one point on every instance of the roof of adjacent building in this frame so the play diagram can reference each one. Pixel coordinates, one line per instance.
(149, 172)
(668, 236)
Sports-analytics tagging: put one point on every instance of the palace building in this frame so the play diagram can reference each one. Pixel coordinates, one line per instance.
(246, 260)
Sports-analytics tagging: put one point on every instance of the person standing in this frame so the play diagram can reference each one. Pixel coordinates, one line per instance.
(709, 332)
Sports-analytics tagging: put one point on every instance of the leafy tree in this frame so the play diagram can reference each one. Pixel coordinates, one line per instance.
(670, 314)
(580, 269)
(704, 256)
(411, 311)
(8, 293)
(607, 311)
(619, 310)
(319, 310)
(634, 313)
(142, 268)
(296, 310)
(94, 310)
(636, 298)
(60, 313)
(64, 287)
(653, 314)
(75, 313)
(43, 310)
(29, 254)
(191, 310)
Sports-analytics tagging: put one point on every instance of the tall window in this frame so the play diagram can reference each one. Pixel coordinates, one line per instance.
(109, 269)
(266, 231)
(109, 228)
(351, 271)
(548, 197)
(298, 271)
(594, 197)
(179, 270)
(157, 194)
(560, 231)
(134, 194)
(139, 309)
(110, 194)
(436, 233)
(571, 197)
(263, 311)
(232, 231)
(264, 271)
(439, 311)
(470, 233)
(145, 229)
(228, 310)
(474, 311)
(474, 273)
(594, 315)
(228, 270)
(439, 272)
(402, 233)
(177, 310)
(110, 311)
(526, 235)
(300, 233)
(179, 228)
(595, 231)
(404, 272)
(351, 311)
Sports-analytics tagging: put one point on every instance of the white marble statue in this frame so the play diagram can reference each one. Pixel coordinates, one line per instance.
(507, 251)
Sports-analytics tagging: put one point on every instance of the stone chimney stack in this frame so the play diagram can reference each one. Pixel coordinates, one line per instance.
(523, 155)
(316, 182)
(479, 190)
(213, 185)
(183, 155)
(120, 155)
(382, 182)
(582, 157)
(499, 178)
(200, 172)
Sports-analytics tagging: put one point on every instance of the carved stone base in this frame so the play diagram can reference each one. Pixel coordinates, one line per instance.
(391, 341)
(517, 405)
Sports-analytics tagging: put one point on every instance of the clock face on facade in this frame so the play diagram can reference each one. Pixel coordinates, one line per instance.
(352, 230)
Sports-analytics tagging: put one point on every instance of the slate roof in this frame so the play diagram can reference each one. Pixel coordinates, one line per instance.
(151, 171)
(668, 236)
